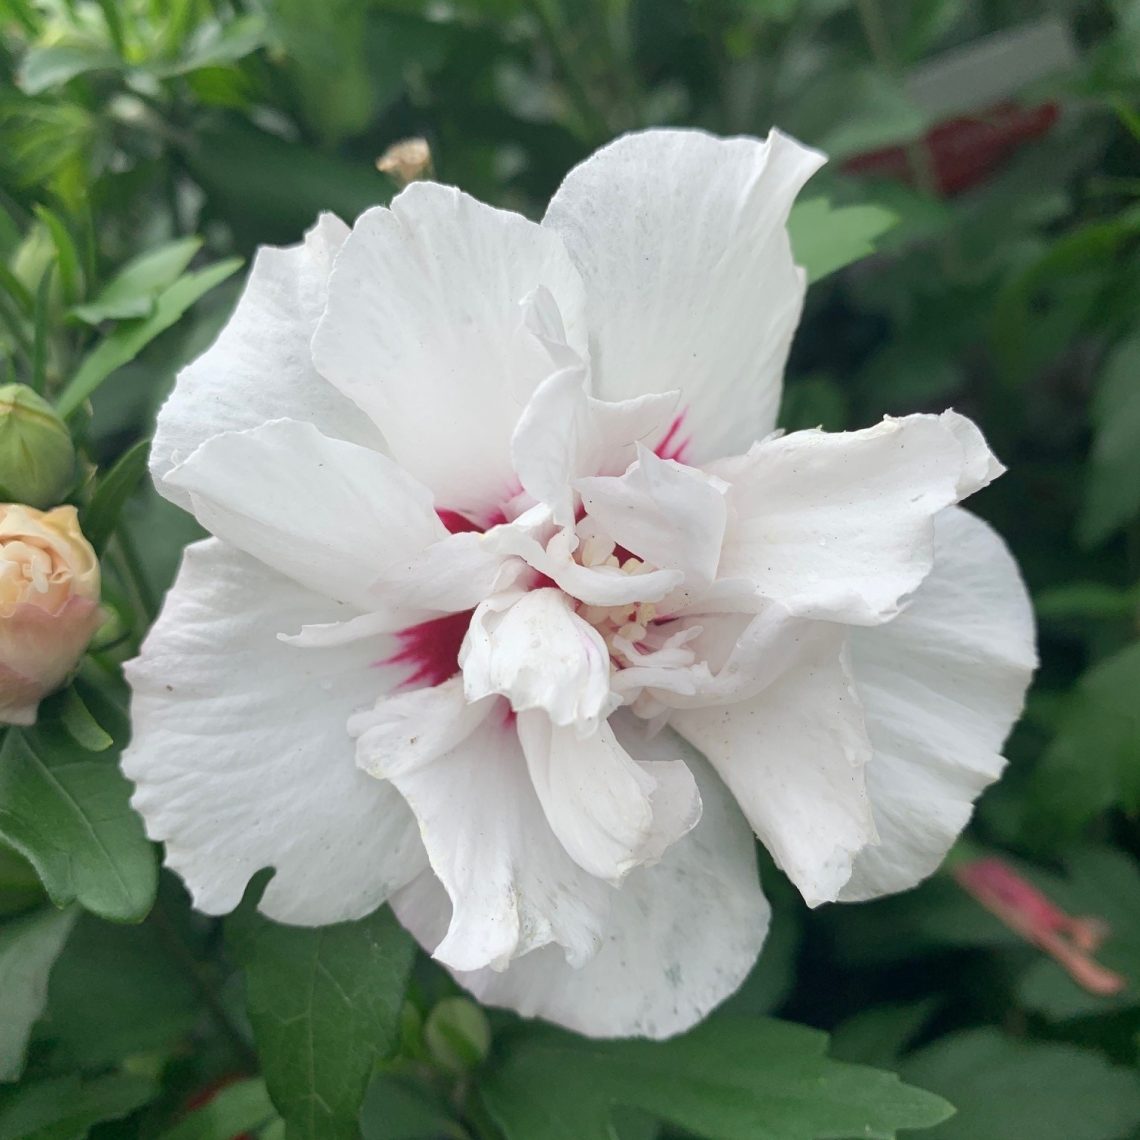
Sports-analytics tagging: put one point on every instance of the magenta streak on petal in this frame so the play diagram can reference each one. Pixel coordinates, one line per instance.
(674, 445)
(431, 649)
(460, 524)
(457, 523)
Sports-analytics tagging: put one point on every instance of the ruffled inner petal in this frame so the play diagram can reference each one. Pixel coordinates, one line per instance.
(840, 526)
(794, 756)
(324, 512)
(941, 686)
(680, 937)
(426, 330)
(511, 884)
(670, 515)
(533, 649)
(682, 242)
(610, 813)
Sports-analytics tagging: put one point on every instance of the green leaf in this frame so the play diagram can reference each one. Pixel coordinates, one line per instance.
(215, 45)
(730, 1078)
(40, 331)
(70, 266)
(114, 19)
(127, 341)
(239, 1108)
(880, 1034)
(814, 401)
(133, 291)
(398, 1109)
(1102, 884)
(29, 947)
(772, 979)
(67, 1108)
(20, 886)
(911, 373)
(877, 112)
(324, 1005)
(111, 493)
(1093, 761)
(117, 991)
(53, 65)
(1087, 601)
(255, 179)
(1040, 312)
(329, 62)
(825, 238)
(160, 531)
(67, 812)
(1112, 489)
(17, 290)
(1021, 1090)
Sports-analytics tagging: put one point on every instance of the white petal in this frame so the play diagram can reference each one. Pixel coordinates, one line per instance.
(594, 585)
(455, 573)
(609, 812)
(543, 317)
(736, 657)
(326, 635)
(408, 729)
(425, 330)
(839, 526)
(260, 368)
(681, 937)
(549, 439)
(329, 514)
(241, 753)
(512, 886)
(690, 280)
(534, 649)
(669, 515)
(941, 686)
(564, 433)
(794, 758)
(620, 425)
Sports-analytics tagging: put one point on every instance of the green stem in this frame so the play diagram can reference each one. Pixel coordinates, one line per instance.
(190, 966)
(20, 338)
(130, 565)
(478, 1121)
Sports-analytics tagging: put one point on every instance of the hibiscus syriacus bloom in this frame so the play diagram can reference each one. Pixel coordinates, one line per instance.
(519, 616)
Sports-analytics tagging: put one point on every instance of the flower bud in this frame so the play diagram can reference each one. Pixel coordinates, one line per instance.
(49, 604)
(33, 257)
(37, 459)
(457, 1034)
(406, 161)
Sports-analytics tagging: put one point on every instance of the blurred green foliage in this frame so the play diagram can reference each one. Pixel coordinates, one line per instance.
(148, 146)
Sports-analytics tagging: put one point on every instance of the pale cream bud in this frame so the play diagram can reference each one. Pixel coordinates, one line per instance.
(49, 604)
(406, 161)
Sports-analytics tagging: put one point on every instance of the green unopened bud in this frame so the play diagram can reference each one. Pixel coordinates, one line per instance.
(37, 458)
(33, 257)
(457, 1035)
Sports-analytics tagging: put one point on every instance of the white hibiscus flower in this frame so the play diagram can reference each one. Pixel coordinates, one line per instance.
(518, 616)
